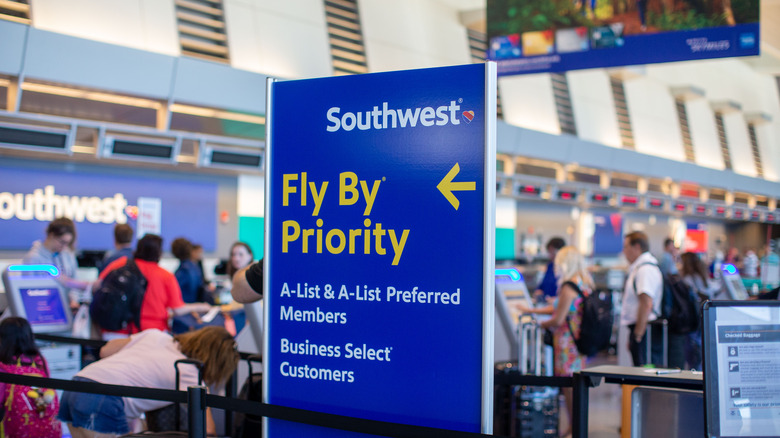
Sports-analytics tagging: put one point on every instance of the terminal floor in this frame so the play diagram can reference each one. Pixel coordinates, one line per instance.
(604, 413)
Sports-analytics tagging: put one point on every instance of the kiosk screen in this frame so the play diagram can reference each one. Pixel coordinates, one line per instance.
(741, 342)
(37, 296)
(43, 306)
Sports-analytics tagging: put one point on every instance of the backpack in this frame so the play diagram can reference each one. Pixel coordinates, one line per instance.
(28, 411)
(596, 323)
(118, 300)
(679, 304)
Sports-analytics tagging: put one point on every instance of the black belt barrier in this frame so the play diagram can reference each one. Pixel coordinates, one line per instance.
(197, 395)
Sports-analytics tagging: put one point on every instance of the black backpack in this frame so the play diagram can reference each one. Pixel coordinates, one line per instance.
(679, 304)
(596, 324)
(118, 300)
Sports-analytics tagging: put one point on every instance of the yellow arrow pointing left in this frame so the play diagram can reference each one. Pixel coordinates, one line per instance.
(447, 186)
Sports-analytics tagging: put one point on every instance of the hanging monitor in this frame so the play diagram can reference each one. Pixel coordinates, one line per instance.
(741, 351)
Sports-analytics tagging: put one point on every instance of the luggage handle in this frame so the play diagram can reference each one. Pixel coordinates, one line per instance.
(253, 358)
(530, 341)
(199, 365)
(664, 323)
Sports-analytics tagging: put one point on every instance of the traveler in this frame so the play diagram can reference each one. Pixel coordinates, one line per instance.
(548, 288)
(694, 274)
(123, 245)
(668, 263)
(240, 257)
(248, 283)
(146, 360)
(565, 320)
(29, 412)
(188, 275)
(162, 290)
(642, 299)
(58, 250)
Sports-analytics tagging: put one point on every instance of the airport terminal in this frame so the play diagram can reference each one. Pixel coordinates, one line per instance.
(448, 217)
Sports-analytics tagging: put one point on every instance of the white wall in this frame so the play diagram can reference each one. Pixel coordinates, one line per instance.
(140, 24)
(528, 102)
(287, 39)
(739, 144)
(408, 34)
(704, 134)
(729, 80)
(594, 108)
(654, 118)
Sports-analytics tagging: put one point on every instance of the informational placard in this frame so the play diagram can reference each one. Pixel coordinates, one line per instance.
(380, 200)
(533, 36)
(742, 362)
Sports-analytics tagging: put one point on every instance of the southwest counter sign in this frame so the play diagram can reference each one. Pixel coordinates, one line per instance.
(379, 287)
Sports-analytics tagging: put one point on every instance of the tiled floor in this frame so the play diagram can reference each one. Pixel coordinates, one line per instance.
(604, 410)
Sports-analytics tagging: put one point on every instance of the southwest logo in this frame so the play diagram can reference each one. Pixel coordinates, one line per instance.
(467, 116)
(132, 212)
(386, 117)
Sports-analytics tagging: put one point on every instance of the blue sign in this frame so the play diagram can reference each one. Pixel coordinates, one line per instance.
(607, 234)
(31, 198)
(534, 36)
(380, 191)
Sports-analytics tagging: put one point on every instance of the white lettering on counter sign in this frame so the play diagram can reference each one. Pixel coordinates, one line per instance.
(44, 205)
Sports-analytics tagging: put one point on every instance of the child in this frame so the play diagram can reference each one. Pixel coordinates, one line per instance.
(29, 411)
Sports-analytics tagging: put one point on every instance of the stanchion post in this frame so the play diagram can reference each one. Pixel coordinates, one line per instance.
(580, 406)
(196, 408)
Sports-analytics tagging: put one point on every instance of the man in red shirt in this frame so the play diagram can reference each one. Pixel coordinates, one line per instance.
(162, 290)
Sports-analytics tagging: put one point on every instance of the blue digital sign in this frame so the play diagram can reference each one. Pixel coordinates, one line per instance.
(380, 191)
(31, 198)
(534, 36)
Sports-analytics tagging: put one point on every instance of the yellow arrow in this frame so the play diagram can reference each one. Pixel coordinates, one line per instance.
(446, 186)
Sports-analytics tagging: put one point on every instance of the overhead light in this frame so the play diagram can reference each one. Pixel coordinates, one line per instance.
(91, 95)
(215, 113)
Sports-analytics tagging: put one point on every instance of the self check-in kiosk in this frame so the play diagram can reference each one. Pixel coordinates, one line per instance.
(733, 288)
(33, 293)
(510, 291)
(510, 288)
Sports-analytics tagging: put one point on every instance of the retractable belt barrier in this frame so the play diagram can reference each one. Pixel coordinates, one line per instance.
(231, 404)
(97, 343)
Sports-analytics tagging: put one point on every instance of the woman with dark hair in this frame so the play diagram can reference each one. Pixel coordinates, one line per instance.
(29, 412)
(188, 274)
(162, 289)
(146, 360)
(58, 250)
(240, 257)
(695, 274)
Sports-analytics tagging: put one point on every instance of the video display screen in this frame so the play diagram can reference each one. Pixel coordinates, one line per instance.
(43, 306)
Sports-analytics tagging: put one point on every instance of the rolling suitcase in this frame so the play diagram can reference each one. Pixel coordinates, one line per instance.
(659, 356)
(536, 406)
(525, 411)
(248, 425)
